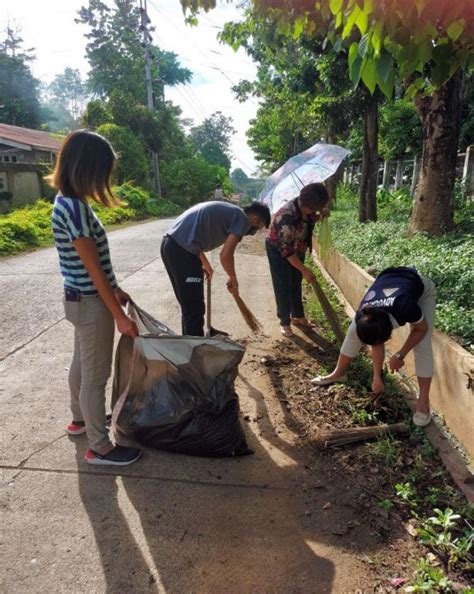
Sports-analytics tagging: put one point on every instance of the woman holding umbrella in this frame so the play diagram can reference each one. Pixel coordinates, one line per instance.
(288, 239)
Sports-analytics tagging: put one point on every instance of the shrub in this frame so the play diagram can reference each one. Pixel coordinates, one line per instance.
(145, 204)
(29, 227)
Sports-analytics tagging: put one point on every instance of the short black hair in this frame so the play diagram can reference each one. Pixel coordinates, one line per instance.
(373, 326)
(261, 210)
(314, 196)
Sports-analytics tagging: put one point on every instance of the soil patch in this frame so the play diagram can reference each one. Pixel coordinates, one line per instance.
(352, 490)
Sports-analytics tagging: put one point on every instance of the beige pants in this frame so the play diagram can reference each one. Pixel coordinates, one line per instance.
(423, 351)
(91, 365)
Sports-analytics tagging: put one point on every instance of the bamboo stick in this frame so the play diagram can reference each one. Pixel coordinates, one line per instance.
(328, 311)
(337, 437)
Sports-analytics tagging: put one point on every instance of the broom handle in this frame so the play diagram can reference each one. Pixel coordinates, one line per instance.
(208, 306)
(329, 311)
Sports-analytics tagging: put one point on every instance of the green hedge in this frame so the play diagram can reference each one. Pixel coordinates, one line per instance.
(447, 260)
(30, 227)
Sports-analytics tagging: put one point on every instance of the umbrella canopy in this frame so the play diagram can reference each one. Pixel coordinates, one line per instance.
(315, 164)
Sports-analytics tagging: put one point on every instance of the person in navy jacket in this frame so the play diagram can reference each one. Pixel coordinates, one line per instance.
(399, 295)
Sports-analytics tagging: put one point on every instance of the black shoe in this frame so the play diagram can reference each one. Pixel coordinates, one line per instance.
(119, 456)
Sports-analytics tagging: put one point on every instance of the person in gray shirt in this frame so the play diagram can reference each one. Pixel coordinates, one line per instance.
(200, 229)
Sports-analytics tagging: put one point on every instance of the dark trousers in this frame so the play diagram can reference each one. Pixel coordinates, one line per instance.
(286, 286)
(186, 275)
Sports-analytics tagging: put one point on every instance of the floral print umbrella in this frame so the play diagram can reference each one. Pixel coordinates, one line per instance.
(315, 164)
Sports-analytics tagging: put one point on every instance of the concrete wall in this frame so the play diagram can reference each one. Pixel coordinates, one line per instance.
(26, 188)
(22, 181)
(450, 395)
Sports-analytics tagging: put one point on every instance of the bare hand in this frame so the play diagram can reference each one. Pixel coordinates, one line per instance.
(325, 212)
(122, 297)
(308, 276)
(127, 326)
(377, 385)
(233, 286)
(395, 364)
(208, 271)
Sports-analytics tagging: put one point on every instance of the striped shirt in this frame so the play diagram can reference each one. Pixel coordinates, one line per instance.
(72, 219)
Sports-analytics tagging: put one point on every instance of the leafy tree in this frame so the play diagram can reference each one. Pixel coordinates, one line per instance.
(132, 164)
(427, 44)
(239, 177)
(58, 119)
(400, 130)
(304, 94)
(212, 139)
(12, 45)
(97, 112)
(68, 90)
(116, 55)
(117, 66)
(19, 90)
(190, 180)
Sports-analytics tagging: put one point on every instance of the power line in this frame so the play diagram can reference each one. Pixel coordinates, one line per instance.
(198, 101)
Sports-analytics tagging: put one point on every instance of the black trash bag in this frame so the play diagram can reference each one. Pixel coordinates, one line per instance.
(176, 393)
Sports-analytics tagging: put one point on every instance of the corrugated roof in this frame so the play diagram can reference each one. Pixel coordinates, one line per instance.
(34, 138)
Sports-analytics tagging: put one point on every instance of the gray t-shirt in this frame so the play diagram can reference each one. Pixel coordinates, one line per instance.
(205, 226)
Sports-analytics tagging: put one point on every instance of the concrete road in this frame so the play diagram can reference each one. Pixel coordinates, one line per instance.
(169, 523)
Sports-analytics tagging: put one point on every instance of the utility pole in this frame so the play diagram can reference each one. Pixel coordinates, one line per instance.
(145, 21)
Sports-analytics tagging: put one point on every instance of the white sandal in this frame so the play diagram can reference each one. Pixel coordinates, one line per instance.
(321, 380)
(421, 419)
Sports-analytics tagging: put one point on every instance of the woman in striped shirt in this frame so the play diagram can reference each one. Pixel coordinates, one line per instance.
(92, 298)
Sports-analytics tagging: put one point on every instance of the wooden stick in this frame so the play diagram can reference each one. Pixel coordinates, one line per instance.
(337, 437)
(208, 307)
(328, 311)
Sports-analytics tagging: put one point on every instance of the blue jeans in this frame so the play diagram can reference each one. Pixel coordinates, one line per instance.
(286, 286)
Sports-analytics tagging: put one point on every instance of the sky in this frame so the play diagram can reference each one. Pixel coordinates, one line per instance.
(59, 42)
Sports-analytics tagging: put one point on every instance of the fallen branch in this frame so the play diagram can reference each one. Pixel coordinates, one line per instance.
(329, 311)
(338, 437)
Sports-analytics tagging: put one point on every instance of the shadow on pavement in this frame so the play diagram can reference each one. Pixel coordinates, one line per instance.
(191, 536)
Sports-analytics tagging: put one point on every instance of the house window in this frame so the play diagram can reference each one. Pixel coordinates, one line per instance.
(6, 158)
(14, 159)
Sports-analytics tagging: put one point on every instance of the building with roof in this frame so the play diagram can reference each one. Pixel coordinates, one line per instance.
(24, 153)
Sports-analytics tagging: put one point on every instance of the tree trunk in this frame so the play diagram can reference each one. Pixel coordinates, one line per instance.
(440, 118)
(370, 163)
